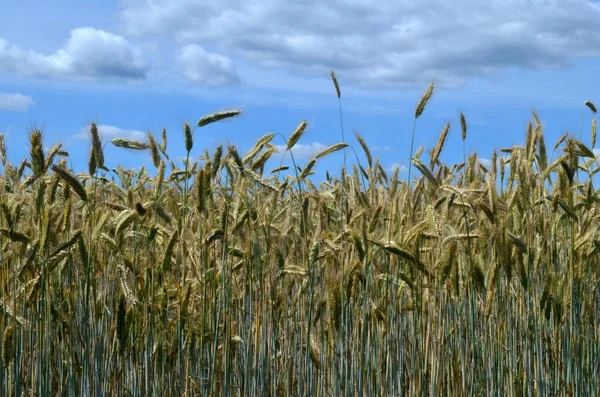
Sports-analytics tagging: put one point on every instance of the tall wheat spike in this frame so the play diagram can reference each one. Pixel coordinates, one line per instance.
(591, 106)
(218, 116)
(296, 135)
(97, 145)
(418, 111)
(153, 150)
(423, 101)
(71, 181)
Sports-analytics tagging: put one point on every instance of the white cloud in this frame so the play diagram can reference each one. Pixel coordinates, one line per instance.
(205, 67)
(18, 102)
(394, 166)
(381, 44)
(485, 162)
(302, 151)
(88, 54)
(108, 132)
(596, 152)
(386, 148)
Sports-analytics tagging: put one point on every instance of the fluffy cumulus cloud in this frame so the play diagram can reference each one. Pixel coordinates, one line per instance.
(302, 151)
(16, 102)
(88, 54)
(387, 43)
(108, 132)
(205, 67)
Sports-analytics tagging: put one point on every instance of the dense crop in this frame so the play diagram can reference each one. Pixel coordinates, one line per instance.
(225, 278)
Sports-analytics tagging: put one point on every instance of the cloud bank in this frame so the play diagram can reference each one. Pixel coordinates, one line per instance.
(205, 67)
(89, 54)
(382, 44)
(15, 102)
(108, 132)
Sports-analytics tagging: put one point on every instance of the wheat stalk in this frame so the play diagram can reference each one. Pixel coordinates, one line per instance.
(218, 116)
(296, 135)
(71, 181)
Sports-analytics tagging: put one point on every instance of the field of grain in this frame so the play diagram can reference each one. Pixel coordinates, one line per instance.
(225, 278)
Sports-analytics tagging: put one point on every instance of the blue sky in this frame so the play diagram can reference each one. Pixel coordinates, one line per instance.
(137, 66)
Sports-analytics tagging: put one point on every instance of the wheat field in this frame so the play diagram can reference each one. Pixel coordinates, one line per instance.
(227, 278)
